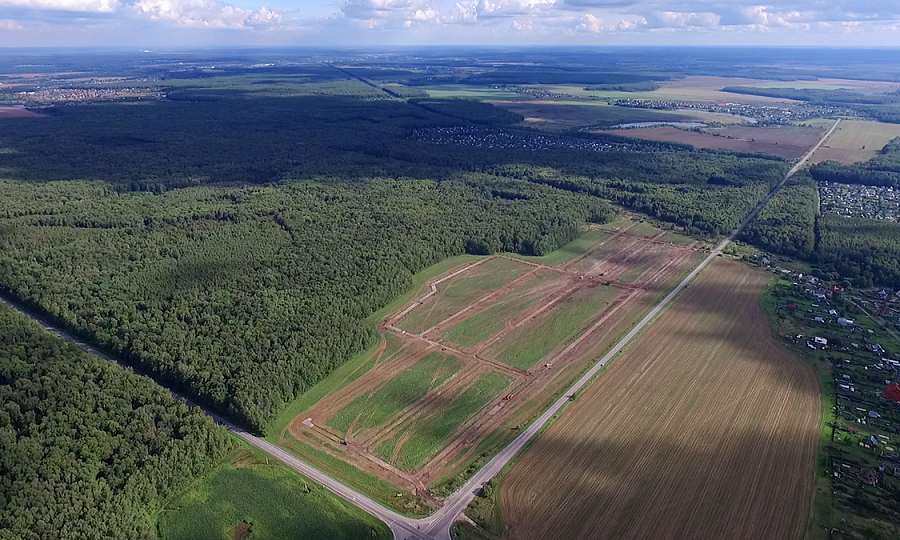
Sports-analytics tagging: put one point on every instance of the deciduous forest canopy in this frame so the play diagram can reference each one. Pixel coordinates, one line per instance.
(88, 450)
(244, 296)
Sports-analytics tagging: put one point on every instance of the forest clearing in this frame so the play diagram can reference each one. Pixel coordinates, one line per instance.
(705, 428)
(786, 141)
(18, 112)
(482, 349)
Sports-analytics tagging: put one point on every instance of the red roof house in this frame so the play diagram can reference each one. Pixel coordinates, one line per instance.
(893, 392)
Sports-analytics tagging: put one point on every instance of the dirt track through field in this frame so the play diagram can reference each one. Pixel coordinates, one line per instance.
(705, 428)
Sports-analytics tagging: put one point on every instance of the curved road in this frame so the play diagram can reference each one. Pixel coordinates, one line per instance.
(437, 526)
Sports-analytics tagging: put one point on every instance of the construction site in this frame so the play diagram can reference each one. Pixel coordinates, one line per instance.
(482, 349)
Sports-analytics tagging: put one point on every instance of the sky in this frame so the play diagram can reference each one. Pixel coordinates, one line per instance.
(355, 23)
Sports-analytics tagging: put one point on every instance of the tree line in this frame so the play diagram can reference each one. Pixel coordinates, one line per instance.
(231, 248)
(865, 252)
(87, 449)
(882, 170)
(244, 297)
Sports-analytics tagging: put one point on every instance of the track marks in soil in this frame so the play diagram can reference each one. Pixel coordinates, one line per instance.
(705, 429)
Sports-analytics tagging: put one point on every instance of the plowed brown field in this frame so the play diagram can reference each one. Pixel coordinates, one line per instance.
(704, 429)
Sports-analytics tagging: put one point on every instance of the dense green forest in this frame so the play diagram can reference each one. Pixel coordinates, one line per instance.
(243, 297)
(471, 110)
(818, 95)
(88, 450)
(865, 251)
(231, 242)
(882, 170)
(786, 225)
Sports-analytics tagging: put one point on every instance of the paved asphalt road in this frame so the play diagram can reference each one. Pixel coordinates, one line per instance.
(437, 526)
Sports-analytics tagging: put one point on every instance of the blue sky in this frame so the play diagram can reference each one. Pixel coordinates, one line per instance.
(339, 23)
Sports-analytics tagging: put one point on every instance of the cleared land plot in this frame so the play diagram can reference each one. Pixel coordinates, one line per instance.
(701, 89)
(566, 115)
(483, 324)
(786, 141)
(526, 347)
(460, 90)
(417, 441)
(16, 112)
(455, 295)
(856, 140)
(429, 401)
(409, 386)
(704, 429)
(571, 250)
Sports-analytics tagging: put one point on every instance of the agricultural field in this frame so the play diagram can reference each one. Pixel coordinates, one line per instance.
(786, 141)
(480, 348)
(18, 112)
(565, 115)
(700, 89)
(251, 498)
(856, 140)
(466, 91)
(705, 428)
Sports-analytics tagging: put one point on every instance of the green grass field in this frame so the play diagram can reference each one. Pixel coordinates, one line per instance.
(348, 372)
(258, 501)
(644, 230)
(818, 122)
(569, 251)
(676, 238)
(579, 91)
(419, 281)
(558, 326)
(379, 490)
(462, 290)
(362, 362)
(619, 223)
(478, 328)
(465, 91)
(424, 437)
(405, 389)
(856, 140)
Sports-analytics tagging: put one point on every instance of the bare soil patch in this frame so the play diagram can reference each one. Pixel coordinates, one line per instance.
(240, 531)
(706, 428)
(16, 112)
(786, 141)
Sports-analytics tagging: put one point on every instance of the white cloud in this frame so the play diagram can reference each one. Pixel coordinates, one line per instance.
(674, 19)
(92, 6)
(208, 14)
(407, 13)
(8, 24)
(376, 13)
(589, 23)
(511, 8)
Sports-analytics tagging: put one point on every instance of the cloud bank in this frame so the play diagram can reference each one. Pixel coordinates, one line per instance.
(489, 21)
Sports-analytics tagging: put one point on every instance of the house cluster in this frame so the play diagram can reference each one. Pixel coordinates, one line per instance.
(534, 92)
(483, 137)
(65, 95)
(762, 114)
(852, 200)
